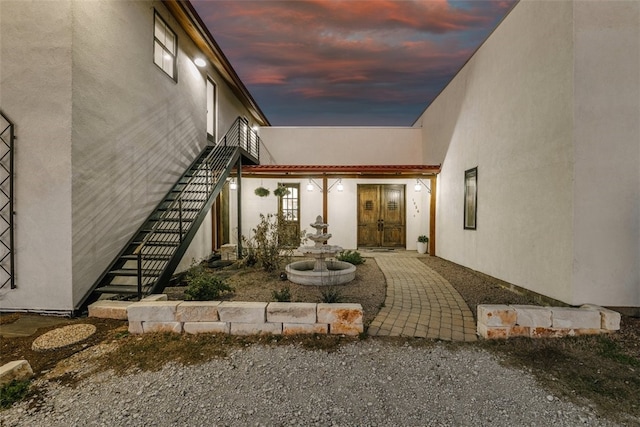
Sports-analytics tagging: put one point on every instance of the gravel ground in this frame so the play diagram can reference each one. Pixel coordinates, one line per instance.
(366, 383)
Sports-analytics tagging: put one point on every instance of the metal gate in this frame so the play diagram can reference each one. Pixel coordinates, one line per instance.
(7, 137)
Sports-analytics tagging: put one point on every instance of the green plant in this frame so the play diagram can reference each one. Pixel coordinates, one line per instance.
(13, 392)
(423, 239)
(283, 295)
(330, 295)
(352, 257)
(203, 285)
(281, 191)
(270, 244)
(261, 192)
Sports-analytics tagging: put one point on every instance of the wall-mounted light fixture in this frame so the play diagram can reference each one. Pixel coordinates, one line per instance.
(199, 62)
(338, 185)
(311, 183)
(419, 184)
(233, 185)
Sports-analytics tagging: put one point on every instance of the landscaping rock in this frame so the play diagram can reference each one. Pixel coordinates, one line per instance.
(18, 370)
(108, 309)
(62, 337)
(243, 312)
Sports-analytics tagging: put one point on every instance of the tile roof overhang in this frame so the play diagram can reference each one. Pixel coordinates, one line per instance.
(343, 171)
(190, 21)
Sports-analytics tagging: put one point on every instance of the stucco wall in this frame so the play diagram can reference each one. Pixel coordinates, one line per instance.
(509, 113)
(607, 153)
(35, 92)
(103, 134)
(343, 145)
(135, 129)
(341, 208)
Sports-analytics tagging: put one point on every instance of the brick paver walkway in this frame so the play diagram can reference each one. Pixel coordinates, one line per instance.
(420, 302)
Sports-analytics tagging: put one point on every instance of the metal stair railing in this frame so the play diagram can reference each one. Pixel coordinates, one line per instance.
(170, 228)
(156, 254)
(240, 134)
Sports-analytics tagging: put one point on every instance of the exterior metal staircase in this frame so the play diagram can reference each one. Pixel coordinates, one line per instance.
(147, 262)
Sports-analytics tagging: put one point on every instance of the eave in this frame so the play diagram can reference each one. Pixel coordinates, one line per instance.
(342, 171)
(197, 31)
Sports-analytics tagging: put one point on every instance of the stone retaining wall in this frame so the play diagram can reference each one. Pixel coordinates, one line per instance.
(244, 318)
(505, 321)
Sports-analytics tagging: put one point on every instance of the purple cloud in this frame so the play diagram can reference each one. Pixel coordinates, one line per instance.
(374, 62)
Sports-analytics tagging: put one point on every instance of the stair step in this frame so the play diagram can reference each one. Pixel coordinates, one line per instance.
(156, 243)
(171, 220)
(134, 272)
(184, 200)
(120, 289)
(162, 231)
(176, 209)
(146, 257)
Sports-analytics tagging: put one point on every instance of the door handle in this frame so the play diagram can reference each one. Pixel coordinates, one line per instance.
(380, 224)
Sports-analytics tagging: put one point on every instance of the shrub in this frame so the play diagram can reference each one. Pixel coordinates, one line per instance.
(203, 285)
(283, 295)
(271, 243)
(330, 295)
(13, 392)
(352, 257)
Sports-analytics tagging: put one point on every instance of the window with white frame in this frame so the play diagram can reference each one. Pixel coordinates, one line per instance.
(165, 47)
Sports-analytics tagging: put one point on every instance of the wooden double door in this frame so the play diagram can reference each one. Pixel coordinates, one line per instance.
(381, 215)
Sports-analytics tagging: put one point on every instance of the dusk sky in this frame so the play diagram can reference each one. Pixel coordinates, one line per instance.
(348, 62)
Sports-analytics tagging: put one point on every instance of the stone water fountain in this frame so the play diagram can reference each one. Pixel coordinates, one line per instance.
(320, 271)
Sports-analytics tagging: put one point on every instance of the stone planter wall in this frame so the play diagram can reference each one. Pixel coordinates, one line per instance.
(505, 321)
(244, 318)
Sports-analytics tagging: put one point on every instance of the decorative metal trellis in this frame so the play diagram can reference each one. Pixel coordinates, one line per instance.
(7, 137)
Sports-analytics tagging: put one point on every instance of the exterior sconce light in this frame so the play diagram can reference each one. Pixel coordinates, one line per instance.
(419, 184)
(337, 184)
(233, 185)
(199, 62)
(311, 184)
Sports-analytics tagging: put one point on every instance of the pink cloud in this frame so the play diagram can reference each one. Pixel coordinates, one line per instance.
(369, 50)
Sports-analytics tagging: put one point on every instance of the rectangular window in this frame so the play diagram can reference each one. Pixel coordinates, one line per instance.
(211, 110)
(289, 208)
(165, 47)
(470, 198)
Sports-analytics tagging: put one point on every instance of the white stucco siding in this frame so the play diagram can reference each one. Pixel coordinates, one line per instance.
(342, 208)
(509, 113)
(135, 130)
(607, 153)
(343, 145)
(35, 92)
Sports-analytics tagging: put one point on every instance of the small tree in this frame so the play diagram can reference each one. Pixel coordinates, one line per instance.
(268, 247)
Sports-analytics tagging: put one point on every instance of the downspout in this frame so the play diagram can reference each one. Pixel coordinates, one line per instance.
(325, 209)
(432, 216)
(239, 205)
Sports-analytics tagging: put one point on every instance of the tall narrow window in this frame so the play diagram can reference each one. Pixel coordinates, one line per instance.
(289, 208)
(165, 45)
(211, 110)
(470, 198)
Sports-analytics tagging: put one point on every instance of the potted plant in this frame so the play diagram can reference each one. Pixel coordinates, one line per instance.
(281, 191)
(423, 242)
(262, 192)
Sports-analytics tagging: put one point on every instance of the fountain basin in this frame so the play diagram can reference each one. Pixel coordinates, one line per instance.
(338, 273)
